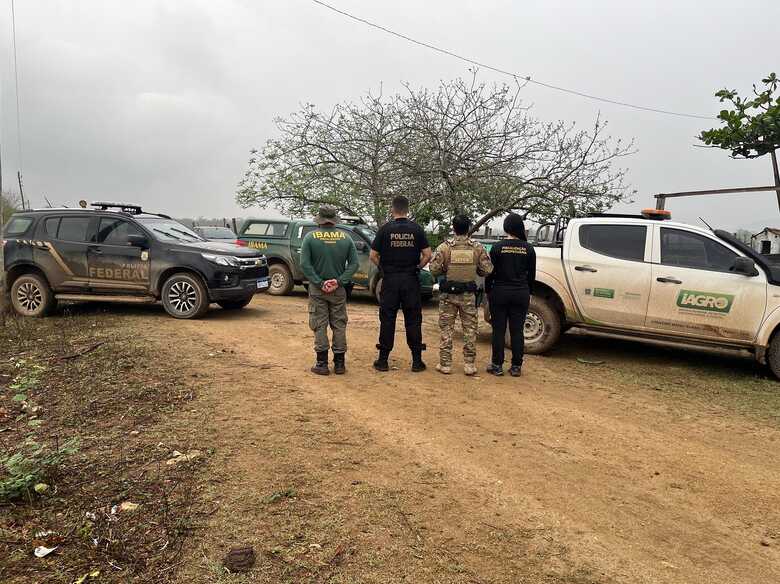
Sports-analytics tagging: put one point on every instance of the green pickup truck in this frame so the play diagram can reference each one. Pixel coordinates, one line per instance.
(280, 240)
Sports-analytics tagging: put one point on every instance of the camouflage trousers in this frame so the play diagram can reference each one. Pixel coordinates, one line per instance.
(324, 310)
(450, 307)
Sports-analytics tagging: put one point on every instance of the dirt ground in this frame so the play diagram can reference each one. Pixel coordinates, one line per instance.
(635, 464)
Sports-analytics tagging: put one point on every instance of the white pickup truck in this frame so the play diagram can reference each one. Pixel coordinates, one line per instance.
(655, 280)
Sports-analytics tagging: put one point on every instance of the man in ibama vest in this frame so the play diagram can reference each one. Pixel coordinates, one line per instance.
(328, 260)
(457, 263)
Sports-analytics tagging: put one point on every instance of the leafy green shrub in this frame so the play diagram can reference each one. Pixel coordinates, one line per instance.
(28, 378)
(32, 464)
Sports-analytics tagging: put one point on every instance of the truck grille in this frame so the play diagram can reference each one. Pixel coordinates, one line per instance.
(248, 263)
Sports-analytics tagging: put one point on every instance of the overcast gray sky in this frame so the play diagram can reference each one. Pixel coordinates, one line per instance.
(160, 101)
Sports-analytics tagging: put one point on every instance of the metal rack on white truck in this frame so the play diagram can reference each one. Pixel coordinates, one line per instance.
(648, 278)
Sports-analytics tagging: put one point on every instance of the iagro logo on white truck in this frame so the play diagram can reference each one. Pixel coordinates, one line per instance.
(648, 278)
(707, 301)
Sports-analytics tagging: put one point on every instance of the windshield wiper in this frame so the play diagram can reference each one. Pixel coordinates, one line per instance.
(190, 235)
(167, 234)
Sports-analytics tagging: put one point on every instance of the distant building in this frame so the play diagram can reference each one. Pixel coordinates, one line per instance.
(766, 242)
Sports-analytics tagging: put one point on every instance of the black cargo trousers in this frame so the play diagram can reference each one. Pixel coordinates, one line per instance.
(401, 290)
(508, 306)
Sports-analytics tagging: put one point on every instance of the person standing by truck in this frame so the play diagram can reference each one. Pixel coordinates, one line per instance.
(401, 250)
(328, 260)
(509, 288)
(457, 263)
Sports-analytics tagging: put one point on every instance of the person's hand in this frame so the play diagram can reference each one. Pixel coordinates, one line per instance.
(330, 286)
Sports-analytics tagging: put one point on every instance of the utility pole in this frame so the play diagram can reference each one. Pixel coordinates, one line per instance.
(773, 154)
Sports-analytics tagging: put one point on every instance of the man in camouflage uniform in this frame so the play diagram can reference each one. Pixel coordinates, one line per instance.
(457, 263)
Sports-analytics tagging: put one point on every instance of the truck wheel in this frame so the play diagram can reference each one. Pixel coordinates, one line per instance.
(542, 326)
(32, 296)
(773, 355)
(281, 280)
(185, 296)
(235, 304)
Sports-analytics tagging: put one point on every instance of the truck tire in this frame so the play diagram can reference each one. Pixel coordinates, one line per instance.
(235, 304)
(773, 355)
(281, 280)
(32, 296)
(184, 296)
(542, 326)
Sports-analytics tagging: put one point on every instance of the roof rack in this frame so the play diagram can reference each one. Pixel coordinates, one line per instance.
(122, 207)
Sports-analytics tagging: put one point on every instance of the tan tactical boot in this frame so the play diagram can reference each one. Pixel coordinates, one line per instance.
(445, 369)
(469, 369)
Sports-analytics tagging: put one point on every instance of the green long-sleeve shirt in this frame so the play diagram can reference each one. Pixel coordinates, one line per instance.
(328, 253)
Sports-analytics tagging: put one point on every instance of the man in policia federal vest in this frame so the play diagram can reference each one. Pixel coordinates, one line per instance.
(328, 260)
(401, 250)
(458, 261)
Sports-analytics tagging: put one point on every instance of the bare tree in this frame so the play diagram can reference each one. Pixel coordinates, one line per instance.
(348, 158)
(463, 147)
(480, 151)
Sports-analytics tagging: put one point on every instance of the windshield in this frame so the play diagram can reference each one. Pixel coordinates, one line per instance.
(168, 229)
(366, 232)
(217, 232)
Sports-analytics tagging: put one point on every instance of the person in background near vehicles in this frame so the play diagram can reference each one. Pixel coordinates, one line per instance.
(401, 250)
(509, 290)
(328, 260)
(457, 263)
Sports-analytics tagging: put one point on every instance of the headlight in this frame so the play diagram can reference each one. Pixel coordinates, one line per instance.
(222, 260)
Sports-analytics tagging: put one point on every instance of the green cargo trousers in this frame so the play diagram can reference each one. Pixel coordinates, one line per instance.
(328, 309)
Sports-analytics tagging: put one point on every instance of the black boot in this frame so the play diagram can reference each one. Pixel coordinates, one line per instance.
(417, 362)
(381, 363)
(321, 367)
(339, 365)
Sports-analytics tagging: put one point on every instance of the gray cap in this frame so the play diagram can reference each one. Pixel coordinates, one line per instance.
(327, 215)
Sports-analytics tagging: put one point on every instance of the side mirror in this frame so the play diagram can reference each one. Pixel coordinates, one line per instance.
(361, 246)
(137, 240)
(745, 266)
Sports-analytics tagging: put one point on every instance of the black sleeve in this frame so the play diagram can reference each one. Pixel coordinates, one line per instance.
(423, 239)
(531, 268)
(492, 275)
(376, 245)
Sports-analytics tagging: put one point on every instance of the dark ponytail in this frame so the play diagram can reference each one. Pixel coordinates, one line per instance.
(513, 225)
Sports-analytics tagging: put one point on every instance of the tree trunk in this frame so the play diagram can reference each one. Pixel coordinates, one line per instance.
(777, 175)
(485, 219)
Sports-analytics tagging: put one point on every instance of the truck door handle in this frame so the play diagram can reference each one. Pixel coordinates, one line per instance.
(96, 250)
(585, 269)
(669, 280)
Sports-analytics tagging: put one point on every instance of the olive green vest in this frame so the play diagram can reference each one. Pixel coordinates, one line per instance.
(463, 261)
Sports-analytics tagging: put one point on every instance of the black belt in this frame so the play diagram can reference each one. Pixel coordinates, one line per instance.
(448, 287)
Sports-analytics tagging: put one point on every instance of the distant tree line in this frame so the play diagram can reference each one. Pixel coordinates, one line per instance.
(462, 147)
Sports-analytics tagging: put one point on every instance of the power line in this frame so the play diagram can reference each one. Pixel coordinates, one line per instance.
(527, 78)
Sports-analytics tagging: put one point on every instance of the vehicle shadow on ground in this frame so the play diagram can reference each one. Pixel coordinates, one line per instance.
(665, 360)
(215, 313)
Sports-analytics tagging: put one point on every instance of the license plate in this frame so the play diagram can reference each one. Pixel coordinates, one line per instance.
(262, 284)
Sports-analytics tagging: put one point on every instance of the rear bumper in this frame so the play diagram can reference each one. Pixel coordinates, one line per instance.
(245, 288)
